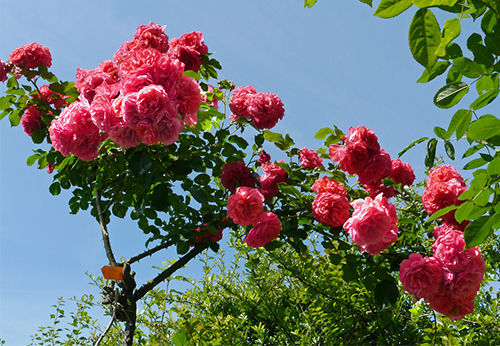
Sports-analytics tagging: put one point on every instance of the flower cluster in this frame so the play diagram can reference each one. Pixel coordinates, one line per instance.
(309, 158)
(373, 224)
(273, 175)
(449, 280)
(444, 185)
(264, 110)
(31, 56)
(361, 155)
(235, 174)
(141, 96)
(330, 206)
(245, 207)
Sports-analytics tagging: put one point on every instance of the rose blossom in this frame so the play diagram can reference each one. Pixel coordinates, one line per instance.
(331, 209)
(309, 158)
(31, 56)
(273, 174)
(265, 110)
(74, 132)
(326, 184)
(236, 174)
(421, 276)
(264, 157)
(373, 225)
(188, 99)
(31, 120)
(265, 230)
(402, 173)
(377, 167)
(87, 81)
(377, 188)
(245, 206)
(150, 36)
(4, 69)
(188, 49)
(238, 105)
(443, 174)
(441, 195)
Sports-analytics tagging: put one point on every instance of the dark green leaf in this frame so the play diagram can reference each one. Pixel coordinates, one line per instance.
(411, 145)
(431, 153)
(492, 42)
(478, 230)
(119, 210)
(392, 8)
(483, 56)
(424, 37)
(386, 293)
(55, 188)
(440, 132)
(159, 197)
(475, 163)
(493, 5)
(432, 3)
(468, 68)
(349, 272)
(460, 122)
(489, 22)
(453, 75)
(450, 150)
(450, 94)
(199, 195)
(243, 144)
(140, 162)
(438, 69)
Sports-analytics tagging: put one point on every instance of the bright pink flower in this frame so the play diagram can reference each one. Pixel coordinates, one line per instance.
(467, 282)
(137, 60)
(440, 195)
(265, 229)
(31, 56)
(235, 174)
(265, 110)
(245, 206)
(169, 129)
(74, 132)
(188, 49)
(326, 184)
(50, 167)
(87, 81)
(30, 120)
(377, 167)
(331, 209)
(373, 225)
(4, 69)
(239, 105)
(362, 135)
(214, 102)
(273, 174)
(309, 158)
(188, 99)
(444, 173)
(51, 97)
(147, 132)
(150, 36)
(421, 276)
(402, 173)
(376, 188)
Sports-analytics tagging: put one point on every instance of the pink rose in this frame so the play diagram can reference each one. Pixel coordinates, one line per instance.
(362, 135)
(245, 206)
(239, 105)
(377, 167)
(444, 173)
(402, 173)
(87, 81)
(30, 120)
(150, 36)
(263, 157)
(273, 174)
(440, 195)
(4, 69)
(265, 229)
(137, 60)
(188, 49)
(50, 167)
(74, 132)
(169, 129)
(31, 56)
(326, 184)
(207, 234)
(373, 225)
(188, 99)
(331, 209)
(265, 110)
(235, 174)
(309, 158)
(421, 276)
(376, 188)
(352, 159)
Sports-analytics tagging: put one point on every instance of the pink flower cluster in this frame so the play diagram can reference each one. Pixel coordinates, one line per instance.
(273, 174)
(245, 207)
(444, 185)
(4, 69)
(139, 97)
(235, 174)
(31, 56)
(450, 279)
(361, 155)
(263, 109)
(331, 206)
(373, 225)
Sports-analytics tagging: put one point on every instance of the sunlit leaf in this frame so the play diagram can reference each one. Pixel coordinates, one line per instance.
(392, 8)
(424, 37)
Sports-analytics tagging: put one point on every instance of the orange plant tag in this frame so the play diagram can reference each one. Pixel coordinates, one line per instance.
(112, 273)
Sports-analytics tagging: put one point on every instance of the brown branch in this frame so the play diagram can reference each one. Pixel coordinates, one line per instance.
(149, 252)
(141, 292)
(104, 230)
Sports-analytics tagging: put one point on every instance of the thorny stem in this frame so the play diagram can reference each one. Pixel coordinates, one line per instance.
(150, 252)
(104, 230)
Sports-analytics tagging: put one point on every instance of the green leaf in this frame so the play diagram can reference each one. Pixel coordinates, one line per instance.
(411, 145)
(450, 94)
(180, 338)
(429, 3)
(309, 3)
(451, 30)
(460, 122)
(424, 37)
(440, 132)
(489, 22)
(140, 162)
(431, 153)
(322, 133)
(492, 42)
(273, 137)
(494, 166)
(493, 5)
(483, 198)
(464, 211)
(32, 159)
(468, 68)
(392, 8)
(478, 230)
(386, 293)
(243, 144)
(442, 212)
(453, 75)
(485, 99)
(475, 163)
(199, 195)
(484, 128)
(484, 84)
(438, 69)
(483, 56)
(55, 188)
(450, 150)
(159, 197)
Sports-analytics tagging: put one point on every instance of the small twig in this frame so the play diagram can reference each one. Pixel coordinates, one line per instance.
(110, 322)
(104, 230)
(150, 252)
(141, 292)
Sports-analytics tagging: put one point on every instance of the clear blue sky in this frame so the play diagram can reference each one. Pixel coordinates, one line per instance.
(332, 64)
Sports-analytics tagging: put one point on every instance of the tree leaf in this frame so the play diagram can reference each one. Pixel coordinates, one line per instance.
(429, 3)
(492, 42)
(475, 163)
(431, 153)
(460, 122)
(478, 230)
(424, 37)
(489, 22)
(386, 293)
(485, 99)
(322, 133)
(451, 30)
(463, 211)
(309, 3)
(450, 94)
(442, 212)
(484, 128)
(493, 5)
(392, 8)
(450, 150)
(484, 84)
(468, 67)
(438, 69)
